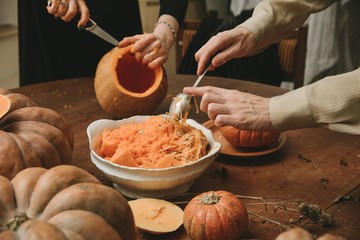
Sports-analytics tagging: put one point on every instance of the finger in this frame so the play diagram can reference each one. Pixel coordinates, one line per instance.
(126, 41)
(147, 42)
(84, 14)
(215, 109)
(199, 91)
(71, 11)
(63, 7)
(157, 62)
(151, 56)
(222, 120)
(53, 7)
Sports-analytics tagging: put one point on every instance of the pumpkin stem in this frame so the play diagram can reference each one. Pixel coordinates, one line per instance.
(210, 198)
(14, 223)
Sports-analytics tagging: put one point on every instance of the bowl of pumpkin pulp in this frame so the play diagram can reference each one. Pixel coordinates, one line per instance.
(151, 156)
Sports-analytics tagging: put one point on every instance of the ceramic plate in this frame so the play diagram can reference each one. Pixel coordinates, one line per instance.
(228, 149)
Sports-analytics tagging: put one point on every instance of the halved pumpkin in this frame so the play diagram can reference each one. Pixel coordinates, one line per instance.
(125, 87)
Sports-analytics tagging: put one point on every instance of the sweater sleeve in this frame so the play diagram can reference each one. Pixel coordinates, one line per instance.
(175, 8)
(274, 19)
(333, 102)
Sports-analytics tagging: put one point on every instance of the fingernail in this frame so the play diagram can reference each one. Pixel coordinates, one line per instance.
(81, 27)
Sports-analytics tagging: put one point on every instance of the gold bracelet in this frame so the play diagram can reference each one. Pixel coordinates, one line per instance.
(171, 28)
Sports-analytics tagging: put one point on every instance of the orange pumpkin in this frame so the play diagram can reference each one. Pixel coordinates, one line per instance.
(245, 138)
(31, 136)
(64, 202)
(215, 215)
(125, 87)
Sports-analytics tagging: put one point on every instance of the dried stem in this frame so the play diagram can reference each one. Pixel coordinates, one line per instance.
(311, 211)
(270, 220)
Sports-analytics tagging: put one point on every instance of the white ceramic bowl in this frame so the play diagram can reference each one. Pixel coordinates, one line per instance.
(135, 182)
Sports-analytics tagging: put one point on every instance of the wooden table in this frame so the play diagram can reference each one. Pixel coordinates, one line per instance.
(315, 166)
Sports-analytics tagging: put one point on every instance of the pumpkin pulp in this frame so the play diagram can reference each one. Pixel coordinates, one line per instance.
(133, 76)
(4, 105)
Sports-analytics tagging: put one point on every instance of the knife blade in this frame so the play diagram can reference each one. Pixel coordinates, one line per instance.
(92, 27)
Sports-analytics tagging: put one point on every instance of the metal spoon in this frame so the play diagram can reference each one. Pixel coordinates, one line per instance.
(180, 105)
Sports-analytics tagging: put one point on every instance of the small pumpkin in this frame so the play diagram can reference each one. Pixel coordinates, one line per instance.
(215, 215)
(249, 139)
(64, 202)
(125, 87)
(31, 136)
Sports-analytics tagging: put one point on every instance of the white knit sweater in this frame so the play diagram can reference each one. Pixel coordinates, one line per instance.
(333, 102)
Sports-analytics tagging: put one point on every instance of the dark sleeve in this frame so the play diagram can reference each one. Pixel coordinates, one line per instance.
(175, 8)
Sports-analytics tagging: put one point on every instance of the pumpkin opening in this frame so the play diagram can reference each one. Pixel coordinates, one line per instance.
(133, 75)
(4, 105)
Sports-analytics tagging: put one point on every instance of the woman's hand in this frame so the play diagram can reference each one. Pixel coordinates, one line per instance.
(68, 9)
(153, 48)
(148, 48)
(234, 108)
(234, 43)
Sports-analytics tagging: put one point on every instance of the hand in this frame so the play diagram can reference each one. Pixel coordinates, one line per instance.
(226, 45)
(234, 108)
(148, 49)
(68, 9)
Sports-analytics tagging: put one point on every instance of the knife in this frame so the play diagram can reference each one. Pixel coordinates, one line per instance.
(92, 27)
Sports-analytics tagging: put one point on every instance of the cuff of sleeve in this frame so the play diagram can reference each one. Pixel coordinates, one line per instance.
(262, 26)
(291, 110)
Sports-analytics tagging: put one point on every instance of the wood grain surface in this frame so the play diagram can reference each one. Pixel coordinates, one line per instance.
(315, 166)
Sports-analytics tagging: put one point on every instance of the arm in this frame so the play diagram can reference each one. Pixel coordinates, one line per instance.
(271, 21)
(153, 48)
(332, 102)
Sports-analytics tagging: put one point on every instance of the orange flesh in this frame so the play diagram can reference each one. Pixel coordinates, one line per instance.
(4, 105)
(155, 143)
(133, 75)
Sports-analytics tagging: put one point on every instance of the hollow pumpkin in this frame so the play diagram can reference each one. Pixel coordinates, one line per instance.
(125, 87)
(215, 215)
(64, 202)
(31, 136)
(246, 138)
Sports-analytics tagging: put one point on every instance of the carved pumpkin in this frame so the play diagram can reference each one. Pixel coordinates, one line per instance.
(245, 138)
(215, 215)
(125, 87)
(64, 202)
(31, 136)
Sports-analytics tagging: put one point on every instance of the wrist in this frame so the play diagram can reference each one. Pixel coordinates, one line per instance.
(166, 28)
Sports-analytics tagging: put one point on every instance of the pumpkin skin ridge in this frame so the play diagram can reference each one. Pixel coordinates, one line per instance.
(52, 182)
(206, 221)
(9, 150)
(40, 114)
(249, 139)
(88, 196)
(28, 158)
(48, 142)
(118, 102)
(43, 148)
(66, 221)
(54, 136)
(119, 218)
(24, 185)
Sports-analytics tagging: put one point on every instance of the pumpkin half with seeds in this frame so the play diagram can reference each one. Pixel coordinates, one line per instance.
(125, 87)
